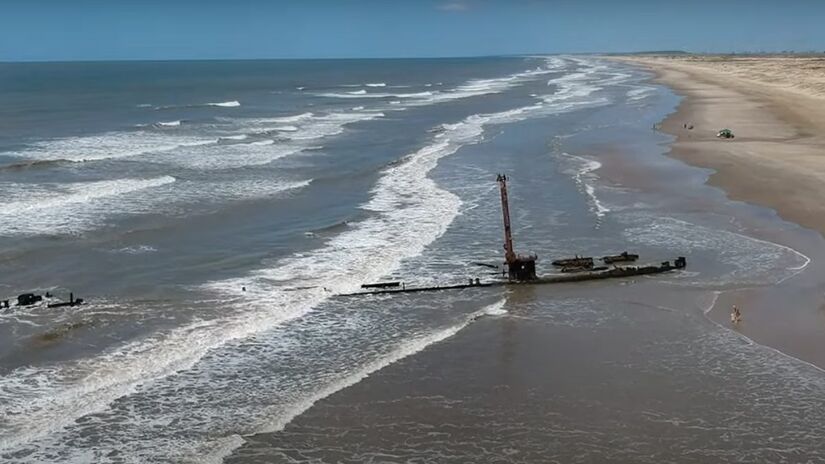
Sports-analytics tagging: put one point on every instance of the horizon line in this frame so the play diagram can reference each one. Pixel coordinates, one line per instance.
(450, 57)
(161, 60)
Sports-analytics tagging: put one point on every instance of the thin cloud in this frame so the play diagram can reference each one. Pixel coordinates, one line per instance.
(453, 6)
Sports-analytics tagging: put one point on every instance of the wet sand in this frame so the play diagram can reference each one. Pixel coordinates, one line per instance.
(622, 375)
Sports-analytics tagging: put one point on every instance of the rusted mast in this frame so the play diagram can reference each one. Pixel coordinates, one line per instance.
(520, 268)
(509, 253)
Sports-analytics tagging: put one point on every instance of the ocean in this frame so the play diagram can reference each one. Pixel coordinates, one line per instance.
(210, 212)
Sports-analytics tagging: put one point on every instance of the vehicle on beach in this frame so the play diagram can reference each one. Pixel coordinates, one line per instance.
(725, 134)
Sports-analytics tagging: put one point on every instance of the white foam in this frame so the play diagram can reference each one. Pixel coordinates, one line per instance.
(293, 118)
(740, 259)
(360, 94)
(413, 95)
(376, 84)
(584, 176)
(306, 126)
(168, 124)
(79, 207)
(332, 124)
(639, 93)
(136, 250)
(226, 104)
(495, 309)
(614, 78)
(110, 145)
(472, 88)
(285, 128)
(62, 208)
(478, 87)
(235, 137)
(270, 139)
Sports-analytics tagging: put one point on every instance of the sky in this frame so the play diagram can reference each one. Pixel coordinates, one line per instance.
(68, 30)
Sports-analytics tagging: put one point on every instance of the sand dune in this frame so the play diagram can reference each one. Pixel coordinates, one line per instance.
(802, 74)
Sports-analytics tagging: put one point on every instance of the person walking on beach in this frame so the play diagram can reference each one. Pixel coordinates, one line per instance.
(735, 315)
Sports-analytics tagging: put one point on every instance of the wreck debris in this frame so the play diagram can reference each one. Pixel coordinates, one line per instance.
(578, 261)
(622, 257)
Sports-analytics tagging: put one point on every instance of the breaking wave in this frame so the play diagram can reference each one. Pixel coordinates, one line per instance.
(60, 208)
(364, 94)
(192, 150)
(226, 104)
(168, 124)
(45, 209)
(110, 145)
(471, 88)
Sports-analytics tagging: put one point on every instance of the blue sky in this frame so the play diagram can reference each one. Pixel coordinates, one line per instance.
(240, 29)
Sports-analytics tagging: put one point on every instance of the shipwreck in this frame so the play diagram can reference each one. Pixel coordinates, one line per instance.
(520, 269)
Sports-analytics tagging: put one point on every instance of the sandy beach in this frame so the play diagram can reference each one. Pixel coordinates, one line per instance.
(775, 107)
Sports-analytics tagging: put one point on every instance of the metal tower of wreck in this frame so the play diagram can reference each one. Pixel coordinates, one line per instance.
(519, 267)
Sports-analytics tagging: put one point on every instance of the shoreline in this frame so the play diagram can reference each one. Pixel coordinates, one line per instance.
(775, 138)
(773, 162)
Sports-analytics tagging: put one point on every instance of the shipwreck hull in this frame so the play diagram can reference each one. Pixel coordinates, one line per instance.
(614, 273)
